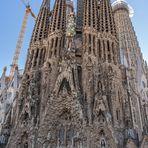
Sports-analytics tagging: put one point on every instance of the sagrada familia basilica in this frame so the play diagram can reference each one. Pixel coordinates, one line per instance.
(85, 83)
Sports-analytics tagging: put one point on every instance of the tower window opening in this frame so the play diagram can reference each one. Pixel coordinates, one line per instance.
(103, 144)
(41, 56)
(56, 44)
(89, 39)
(100, 50)
(36, 57)
(109, 58)
(51, 43)
(55, 52)
(118, 114)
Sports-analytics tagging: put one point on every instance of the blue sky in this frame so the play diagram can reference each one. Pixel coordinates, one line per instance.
(12, 13)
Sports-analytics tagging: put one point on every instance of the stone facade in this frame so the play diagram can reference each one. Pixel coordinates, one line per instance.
(76, 91)
(8, 93)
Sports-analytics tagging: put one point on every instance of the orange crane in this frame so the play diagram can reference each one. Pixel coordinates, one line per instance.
(21, 37)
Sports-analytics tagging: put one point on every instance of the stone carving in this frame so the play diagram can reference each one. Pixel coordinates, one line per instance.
(73, 85)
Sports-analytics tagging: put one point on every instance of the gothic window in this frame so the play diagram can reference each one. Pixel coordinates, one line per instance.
(99, 48)
(101, 119)
(102, 133)
(61, 135)
(80, 75)
(104, 50)
(134, 116)
(94, 41)
(69, 136)
(26, 145)
(89, 39)
(127, 123)
(26, 116)
(55, 52)
(63, 42)
(99, 86)
(118, 114)
(65, 135)
(103, 143)
(108, 46)
(51, 44)
(65, 86)
(94, 47)
(109, 52)
(56, 43)
(89, 44)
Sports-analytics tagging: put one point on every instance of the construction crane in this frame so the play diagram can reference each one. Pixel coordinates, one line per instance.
(28, 11)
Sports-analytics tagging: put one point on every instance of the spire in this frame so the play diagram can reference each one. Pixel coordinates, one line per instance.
(42, 23)
(80, 10)
(59, 16)
(57, 26)
(106, 19)
(127, 37)
(122, 4)
(90, 14)
(108, 50)
(90, 26)
(46, 3)
(70, 6)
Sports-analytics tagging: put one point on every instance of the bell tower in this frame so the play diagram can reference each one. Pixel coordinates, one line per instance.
(41, 29)
(131, 60)
(29, 97)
